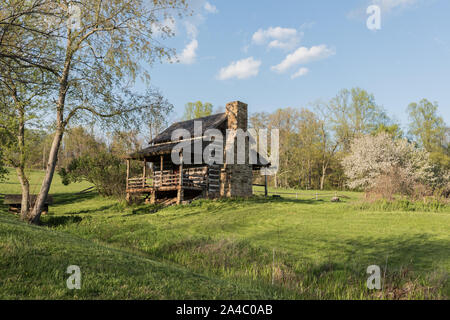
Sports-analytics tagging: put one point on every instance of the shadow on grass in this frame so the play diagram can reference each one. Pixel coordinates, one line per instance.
(60, 199)
(410, 258)
(11, 182)
(282, 199)
(145, 209)
(57, 221)
(422, 250)
(219, 204)
(94, 210)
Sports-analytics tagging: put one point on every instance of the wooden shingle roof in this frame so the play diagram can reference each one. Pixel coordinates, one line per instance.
(210, 122)
(163, 143)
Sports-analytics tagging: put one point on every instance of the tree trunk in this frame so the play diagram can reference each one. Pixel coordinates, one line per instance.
(20, 168)
(322, 178)
(60, 127)
(25, 203)
(309, 174)
(51, 165)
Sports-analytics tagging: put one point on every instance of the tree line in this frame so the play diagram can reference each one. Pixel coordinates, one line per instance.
(350, 142)
(314, 141)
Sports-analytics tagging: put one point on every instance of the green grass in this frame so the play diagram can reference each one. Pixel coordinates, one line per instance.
(428, 205)
(322, 249)
(35, 178)
(33, 262)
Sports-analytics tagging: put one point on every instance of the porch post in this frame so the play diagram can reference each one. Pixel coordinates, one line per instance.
(144, 173)
(265, 185)
(153, 196)
(180, 195)
(162, 168)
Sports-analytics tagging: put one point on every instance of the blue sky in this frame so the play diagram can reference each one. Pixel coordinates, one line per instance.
(277, 54)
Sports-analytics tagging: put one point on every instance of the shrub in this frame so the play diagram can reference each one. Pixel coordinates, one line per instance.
(397, 182)
(385, 166)
(3, 171)
(429, 204)
(105, 171)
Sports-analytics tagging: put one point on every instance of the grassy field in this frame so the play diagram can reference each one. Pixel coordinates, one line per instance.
(294, 247)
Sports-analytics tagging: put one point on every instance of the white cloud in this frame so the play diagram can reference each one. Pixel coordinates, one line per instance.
(300, 73)
(276, 33)
(241, 69)
(304, 55)
(189, 53)
(210, 8)
(389, 5)
(191, 29)
(278, 37)
(191, 26)
(285, 45)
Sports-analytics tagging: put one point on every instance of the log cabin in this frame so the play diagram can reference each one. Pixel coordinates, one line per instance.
(163, 181)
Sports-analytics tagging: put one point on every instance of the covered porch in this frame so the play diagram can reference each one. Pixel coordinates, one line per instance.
(161, 180)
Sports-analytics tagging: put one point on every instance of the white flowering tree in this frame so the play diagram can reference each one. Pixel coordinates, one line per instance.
(374, 156)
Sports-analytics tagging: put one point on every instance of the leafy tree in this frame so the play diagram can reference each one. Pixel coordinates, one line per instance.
(426, 126)
(430, 131)
(156, 116)
(329, 144)
(352, 113)
(393, 130)
(287, 122)
(21, 102)
(310, 143)
(125, 142)
(24, 85)
(78, 142)
(88, 61)
(195, 110)
(314, 141)
(3, 170)
(259, 120)
(38, 141)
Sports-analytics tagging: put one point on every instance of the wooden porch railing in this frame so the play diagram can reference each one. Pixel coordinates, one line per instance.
(139, 183)
(196, 178)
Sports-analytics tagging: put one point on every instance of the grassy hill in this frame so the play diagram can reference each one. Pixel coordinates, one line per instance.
(291, 248)
(33, 262)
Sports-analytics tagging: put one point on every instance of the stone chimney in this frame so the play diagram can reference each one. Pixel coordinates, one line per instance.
(236, 179)
(237, 114)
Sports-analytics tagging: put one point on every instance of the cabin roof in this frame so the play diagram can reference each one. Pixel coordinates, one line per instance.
(159, 149)
(151, 152)
(163, 144)
(210, 122)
